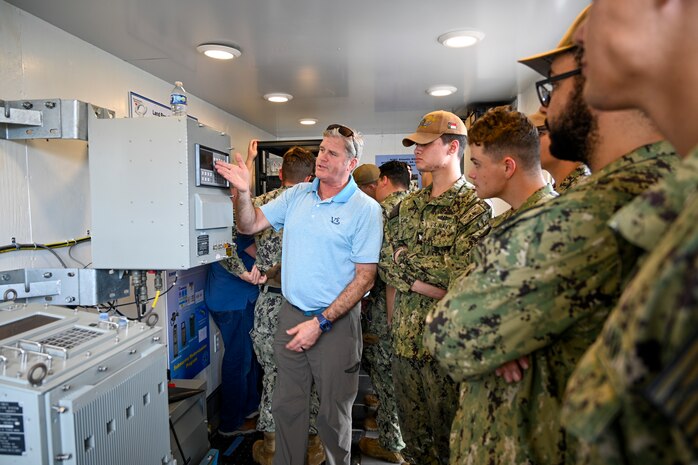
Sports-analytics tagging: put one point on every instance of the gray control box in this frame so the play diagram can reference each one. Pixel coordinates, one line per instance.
(157, 202)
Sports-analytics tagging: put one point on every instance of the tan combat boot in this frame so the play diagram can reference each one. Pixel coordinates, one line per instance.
(371, 401)
(372, 448)
(316, 452)
(263, 449)
(370, 424)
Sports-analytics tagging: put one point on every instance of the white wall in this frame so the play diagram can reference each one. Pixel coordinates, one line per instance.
(384, 144)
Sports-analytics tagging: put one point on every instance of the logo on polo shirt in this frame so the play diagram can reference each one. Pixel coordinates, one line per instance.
(335, 220)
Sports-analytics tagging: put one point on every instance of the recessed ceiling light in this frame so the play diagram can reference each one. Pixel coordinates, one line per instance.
(441, 91)
(459, 39)
(219, 52)
(307, 121)
(278, 97)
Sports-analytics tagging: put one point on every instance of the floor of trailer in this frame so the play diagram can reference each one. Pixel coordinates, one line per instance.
(237, 450)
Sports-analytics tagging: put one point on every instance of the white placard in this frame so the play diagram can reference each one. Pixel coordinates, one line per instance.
(140, 107)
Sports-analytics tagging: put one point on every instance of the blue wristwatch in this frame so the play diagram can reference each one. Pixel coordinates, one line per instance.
(325, 324)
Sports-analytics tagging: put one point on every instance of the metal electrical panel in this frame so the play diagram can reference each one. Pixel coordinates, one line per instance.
(157, 201)
(78, 389)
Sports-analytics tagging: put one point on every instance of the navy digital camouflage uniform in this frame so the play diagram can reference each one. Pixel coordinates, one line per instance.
(378, 356)
(233, 264)
(629, 399)
(438, 233)
(540, 196)
(577, 176)
(266, 317)
(541, 285)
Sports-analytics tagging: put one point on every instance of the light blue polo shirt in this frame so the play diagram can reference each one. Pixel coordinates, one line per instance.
(323, 239)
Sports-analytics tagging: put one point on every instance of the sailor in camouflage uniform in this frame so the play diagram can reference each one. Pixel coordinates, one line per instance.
(574, 178)
(631, 398)
(392, 188)
(297, 166)
(542, 285)
(627, 399)
(565, 173)
(434, 229)
(505, 157)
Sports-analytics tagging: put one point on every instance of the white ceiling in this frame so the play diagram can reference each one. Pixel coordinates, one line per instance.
(365, 63)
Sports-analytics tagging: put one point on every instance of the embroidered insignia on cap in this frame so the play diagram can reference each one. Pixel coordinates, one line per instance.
(426, 121)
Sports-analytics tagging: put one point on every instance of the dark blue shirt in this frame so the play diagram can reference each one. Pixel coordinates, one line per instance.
(225, 291)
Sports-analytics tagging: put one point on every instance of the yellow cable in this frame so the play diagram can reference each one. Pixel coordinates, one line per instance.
(155, 300)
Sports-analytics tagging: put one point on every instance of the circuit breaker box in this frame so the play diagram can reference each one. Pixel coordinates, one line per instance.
(157, 201)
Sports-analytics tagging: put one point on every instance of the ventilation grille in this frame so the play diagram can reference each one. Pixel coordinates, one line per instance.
(122, 419)
(70, 338)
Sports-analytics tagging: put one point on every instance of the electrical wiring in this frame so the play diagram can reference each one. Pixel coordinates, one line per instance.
(70, 254)
(111, 306)
(16, 246)
(152, 298)
(53, 252)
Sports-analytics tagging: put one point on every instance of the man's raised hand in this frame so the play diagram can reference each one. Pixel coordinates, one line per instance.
(236, 173)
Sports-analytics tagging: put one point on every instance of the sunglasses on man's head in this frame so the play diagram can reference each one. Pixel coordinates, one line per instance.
(343, 130)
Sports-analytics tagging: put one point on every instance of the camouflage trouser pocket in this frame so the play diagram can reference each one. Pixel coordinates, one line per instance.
(266, 320)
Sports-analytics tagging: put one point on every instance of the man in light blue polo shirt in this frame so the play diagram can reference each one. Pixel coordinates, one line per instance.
(332, 239)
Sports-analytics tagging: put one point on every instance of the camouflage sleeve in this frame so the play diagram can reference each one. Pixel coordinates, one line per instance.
(234, 265)
(268, 241)
(523, 294)
(388, 270)
(268, 245)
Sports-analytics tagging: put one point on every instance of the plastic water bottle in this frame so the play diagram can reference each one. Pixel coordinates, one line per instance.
(178, 100)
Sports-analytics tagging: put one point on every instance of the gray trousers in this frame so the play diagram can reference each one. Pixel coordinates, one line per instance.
(333, 363)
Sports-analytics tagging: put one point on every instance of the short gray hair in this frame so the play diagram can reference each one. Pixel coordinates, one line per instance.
(353, 145)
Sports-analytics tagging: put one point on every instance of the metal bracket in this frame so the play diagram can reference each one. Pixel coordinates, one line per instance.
(10, 115)
(63, 286)
(47, 119)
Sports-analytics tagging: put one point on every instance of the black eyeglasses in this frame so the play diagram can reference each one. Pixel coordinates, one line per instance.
(545, 87)
(343, 130)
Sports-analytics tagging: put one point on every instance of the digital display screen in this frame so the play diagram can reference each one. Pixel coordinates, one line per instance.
(205, 159)
(206, 174)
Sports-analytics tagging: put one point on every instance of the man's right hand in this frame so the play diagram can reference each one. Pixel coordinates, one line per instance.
(236, 173)
(512, 372)
(254, 276)
(251, 151)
